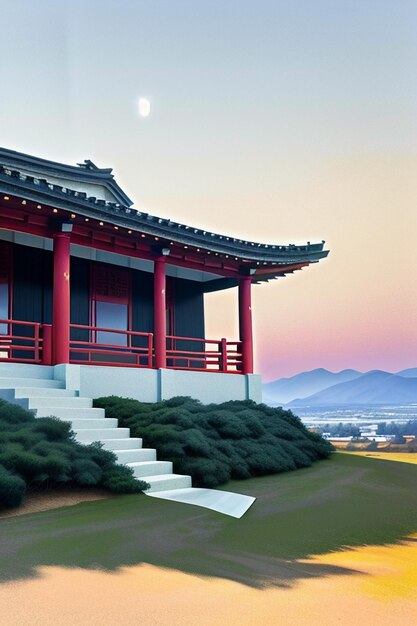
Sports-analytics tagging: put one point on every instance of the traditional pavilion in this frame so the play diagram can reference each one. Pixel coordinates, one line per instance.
(93, 285)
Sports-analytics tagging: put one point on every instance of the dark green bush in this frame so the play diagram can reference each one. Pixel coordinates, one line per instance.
(36, 452)
(12, 488)
(218, 442)
(119, 480)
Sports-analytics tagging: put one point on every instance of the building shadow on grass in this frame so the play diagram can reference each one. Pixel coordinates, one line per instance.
(313, 511)
(95, 536)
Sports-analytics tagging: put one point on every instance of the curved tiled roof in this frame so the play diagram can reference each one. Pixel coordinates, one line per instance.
(39, 190)
(17, 182)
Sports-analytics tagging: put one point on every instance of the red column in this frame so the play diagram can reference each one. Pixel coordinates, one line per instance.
(61, 298)
(159, 307)
(245, 324)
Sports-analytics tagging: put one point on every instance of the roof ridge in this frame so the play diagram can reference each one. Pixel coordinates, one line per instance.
(85, 172)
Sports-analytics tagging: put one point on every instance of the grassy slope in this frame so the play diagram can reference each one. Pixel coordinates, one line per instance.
(348, 500)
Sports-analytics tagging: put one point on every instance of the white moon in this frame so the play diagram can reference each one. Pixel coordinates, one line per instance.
(144, 107)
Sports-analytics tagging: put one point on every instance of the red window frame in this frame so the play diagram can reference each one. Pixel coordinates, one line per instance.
(110, 284)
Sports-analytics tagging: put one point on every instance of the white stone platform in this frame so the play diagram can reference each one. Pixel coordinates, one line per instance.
(226, 502)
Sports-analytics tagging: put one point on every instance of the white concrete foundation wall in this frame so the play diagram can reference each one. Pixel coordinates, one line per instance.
(150, 385)
(208, 386)
(25, 370)
(96, 381)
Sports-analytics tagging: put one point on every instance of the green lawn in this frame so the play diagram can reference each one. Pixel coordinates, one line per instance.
(345, 501)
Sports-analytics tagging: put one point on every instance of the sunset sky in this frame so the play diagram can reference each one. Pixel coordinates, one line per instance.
(278, 121)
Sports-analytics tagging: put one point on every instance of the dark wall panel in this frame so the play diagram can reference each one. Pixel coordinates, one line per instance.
(80, 297)
(80, 291)
(188, 319)
(142, 301)
(188, 308)
(32, 284)
(142, 307)
(48, 281)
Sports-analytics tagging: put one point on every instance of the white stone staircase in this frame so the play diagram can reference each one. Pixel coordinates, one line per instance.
(34, 388)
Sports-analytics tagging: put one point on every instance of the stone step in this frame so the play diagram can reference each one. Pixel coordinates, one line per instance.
(62, 403)
(135, 455)
(70, 414)
(14, 383)
(93, 424)
(150, 468)
(89, 435)
(26, 370)
(165, 482)
(36, 392)
(133, 443)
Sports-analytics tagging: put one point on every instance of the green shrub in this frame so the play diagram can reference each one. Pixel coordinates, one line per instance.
(119, 480)
(217, 442)
(43, 451)
(12, 488)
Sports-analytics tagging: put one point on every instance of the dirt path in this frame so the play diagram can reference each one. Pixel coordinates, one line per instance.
(55, 499)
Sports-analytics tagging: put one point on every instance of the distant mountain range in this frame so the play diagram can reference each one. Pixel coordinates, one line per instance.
(410, 373)
(320, 387)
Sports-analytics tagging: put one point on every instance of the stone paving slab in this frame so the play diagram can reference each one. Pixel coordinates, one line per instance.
(226, 502)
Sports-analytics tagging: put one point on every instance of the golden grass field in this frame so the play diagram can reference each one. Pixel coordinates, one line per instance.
(366, 584)
(402, 457)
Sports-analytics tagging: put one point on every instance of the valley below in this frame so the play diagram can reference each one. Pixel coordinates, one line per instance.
(362, 415)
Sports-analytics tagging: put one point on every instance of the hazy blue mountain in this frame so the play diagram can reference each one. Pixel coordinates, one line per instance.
(409, 373)
(284, 390)
(374, 387)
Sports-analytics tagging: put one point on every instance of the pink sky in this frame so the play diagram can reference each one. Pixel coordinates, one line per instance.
(358, 308)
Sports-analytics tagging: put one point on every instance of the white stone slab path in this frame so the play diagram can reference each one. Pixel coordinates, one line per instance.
(226, 502)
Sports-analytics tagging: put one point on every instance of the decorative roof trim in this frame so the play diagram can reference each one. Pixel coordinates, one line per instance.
(14, 182)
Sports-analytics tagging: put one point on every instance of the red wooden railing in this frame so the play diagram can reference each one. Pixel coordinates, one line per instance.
(31, 342)
(18, 347)
(126, 354)
(206, 354)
